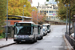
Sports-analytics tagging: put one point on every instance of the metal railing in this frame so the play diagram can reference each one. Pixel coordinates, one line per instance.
(71, 40)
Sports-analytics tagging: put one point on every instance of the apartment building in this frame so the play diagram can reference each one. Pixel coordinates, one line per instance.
(50, 10)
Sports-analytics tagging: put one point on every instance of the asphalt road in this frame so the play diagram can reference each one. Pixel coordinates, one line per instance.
(52, 41)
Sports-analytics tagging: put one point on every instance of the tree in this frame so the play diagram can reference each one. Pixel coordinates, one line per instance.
(62, 9)
(47, 0)
(3, 4)
(39, 18)
(16, 7)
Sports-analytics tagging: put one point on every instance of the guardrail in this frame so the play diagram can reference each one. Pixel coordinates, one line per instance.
(71, 40)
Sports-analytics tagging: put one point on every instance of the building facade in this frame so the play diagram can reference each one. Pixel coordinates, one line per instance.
(50, 11)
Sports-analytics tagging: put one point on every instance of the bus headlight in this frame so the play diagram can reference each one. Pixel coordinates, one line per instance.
(15, 36)
(31, 36)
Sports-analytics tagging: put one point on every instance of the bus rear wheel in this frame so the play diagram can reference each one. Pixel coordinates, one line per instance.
(35, 40)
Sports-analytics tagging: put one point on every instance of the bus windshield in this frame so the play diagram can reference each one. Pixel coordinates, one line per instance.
(23, 30)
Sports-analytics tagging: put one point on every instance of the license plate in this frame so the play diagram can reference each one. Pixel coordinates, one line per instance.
(23, 40)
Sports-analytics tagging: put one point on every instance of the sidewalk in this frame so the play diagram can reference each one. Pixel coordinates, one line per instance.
(4, 43)
(69, 46)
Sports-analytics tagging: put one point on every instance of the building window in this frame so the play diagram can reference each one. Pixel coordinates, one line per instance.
(55, 8)
(46, 11)
(54, 11)
(50, 11)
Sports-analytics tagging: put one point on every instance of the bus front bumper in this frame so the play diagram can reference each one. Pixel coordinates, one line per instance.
(23, 39)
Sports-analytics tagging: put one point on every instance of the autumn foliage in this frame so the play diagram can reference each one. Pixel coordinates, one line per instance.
(3, 4)
(37, 17)
(62, 9)
(15, 7)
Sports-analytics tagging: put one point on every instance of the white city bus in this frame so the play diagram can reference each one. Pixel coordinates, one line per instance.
(25, 31)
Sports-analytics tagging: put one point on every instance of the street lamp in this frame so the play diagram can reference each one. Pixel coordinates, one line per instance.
(23, 12)
(7, 23)
(66, 16)
(32, 14)
(69, 17)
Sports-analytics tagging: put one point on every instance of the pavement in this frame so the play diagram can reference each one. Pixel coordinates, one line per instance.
(4, 43)
(68, 44)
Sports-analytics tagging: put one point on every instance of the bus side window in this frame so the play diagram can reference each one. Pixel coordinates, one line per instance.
(38, 29)
(33, 28)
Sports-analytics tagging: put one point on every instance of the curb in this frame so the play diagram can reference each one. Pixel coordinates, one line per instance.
(7, 45)
(69, 47)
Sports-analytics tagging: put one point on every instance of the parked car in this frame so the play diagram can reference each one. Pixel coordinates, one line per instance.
(44, 30)
(48, 27)
(72, 35)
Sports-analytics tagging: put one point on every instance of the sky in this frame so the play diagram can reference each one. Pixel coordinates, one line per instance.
(41, 2)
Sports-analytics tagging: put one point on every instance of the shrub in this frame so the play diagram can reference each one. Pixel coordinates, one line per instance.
(2, 35)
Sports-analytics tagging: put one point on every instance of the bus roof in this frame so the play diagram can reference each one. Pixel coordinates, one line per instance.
(46, 24)
(26, 22)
